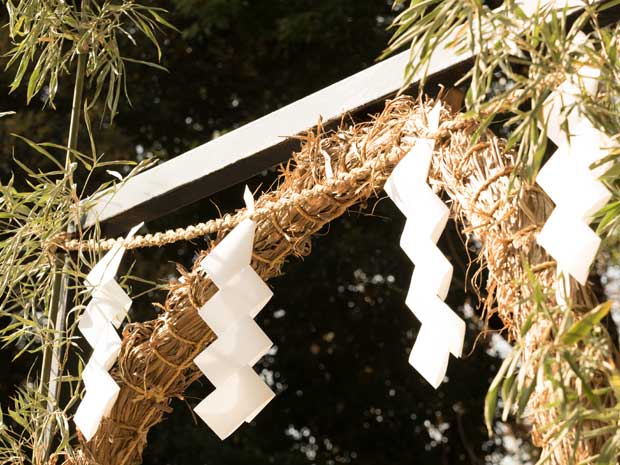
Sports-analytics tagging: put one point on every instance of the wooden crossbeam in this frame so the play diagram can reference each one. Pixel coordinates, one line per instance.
(267, 141)
(250, 149)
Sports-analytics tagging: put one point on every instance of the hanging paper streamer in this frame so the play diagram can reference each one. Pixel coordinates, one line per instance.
(569, 181)
(442, 331)
(107, 309)
(240, 394)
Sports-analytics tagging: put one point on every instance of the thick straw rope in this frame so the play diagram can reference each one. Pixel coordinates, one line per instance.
(228, 221)
(155, 363)
(505, 219)
(305, 201)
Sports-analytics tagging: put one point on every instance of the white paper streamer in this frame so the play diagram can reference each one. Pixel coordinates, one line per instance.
(442, 330)
(107, 309)
(100, 396)
(240, 394)
(569, 181)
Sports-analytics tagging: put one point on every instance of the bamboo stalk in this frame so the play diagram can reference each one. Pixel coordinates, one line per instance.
(51, 369)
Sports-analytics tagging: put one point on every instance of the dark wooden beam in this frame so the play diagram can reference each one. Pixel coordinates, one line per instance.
(268, 141)
(259, 145)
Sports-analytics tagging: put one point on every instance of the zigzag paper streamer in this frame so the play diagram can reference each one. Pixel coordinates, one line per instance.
(442, 331)
(569, 181)
(105, 312)
(240, 394)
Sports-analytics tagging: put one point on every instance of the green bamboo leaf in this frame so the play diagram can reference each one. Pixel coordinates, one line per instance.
(594, 400)
(33, 81)
(21, 71)
(490, 400)
(142, 23)
(524, 395)
(609, 452)
(584, 326)
(17, 418)
(146, 63)
(614, 381)
(509, 390)
(162, 20)
(608, 5)
(40, 149)
(527, 324)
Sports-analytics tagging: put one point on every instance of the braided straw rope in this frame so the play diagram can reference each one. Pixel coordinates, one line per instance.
(155, 363)
(505, 218)
(305, 201)
(267, 209)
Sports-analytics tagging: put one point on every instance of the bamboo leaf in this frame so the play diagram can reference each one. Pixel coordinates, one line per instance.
(490, 401)
(40, 150)
(146, 63)
(584, 326)
(162, 20)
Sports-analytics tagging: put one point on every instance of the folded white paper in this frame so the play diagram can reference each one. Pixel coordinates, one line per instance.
(431, 276)
(245, 295)
(570, 178)
(106, 268)
(563, 101)
(410, 170)
(240, 394)
(232, 254)
(423, 203)
(438, 314)
(100, 396)
(442, 331)
(101, 336)
(427, 357)
(112, 301)
(106, 311)
(242, 344)
(237, 400)
(570, 183)
(588, 146)
(570, 242)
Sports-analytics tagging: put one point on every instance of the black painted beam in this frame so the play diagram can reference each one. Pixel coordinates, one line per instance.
(268, 141)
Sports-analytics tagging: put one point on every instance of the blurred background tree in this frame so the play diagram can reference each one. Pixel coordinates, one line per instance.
(346, 393)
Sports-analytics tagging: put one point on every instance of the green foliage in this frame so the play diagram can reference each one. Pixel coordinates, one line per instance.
(48, 35)
(32, 222)
(39, 206)
(583, 327)
(567, 365)
(345, 391)
(23, 433)
(519, 60)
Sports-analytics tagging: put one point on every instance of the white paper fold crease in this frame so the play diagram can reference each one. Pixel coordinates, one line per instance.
(104, 313)
(442, 332)
(240, 394)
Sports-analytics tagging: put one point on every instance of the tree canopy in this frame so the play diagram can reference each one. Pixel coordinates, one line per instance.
(345, 392)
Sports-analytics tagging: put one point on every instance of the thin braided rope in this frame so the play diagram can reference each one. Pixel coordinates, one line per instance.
(305, 201)
(362, 156)
(227, 222)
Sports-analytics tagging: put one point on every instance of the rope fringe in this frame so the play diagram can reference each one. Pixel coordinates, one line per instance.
(503, 215)
(295, 200)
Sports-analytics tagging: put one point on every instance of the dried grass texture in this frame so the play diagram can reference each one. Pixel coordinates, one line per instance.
(504, 214)
(155, 363)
